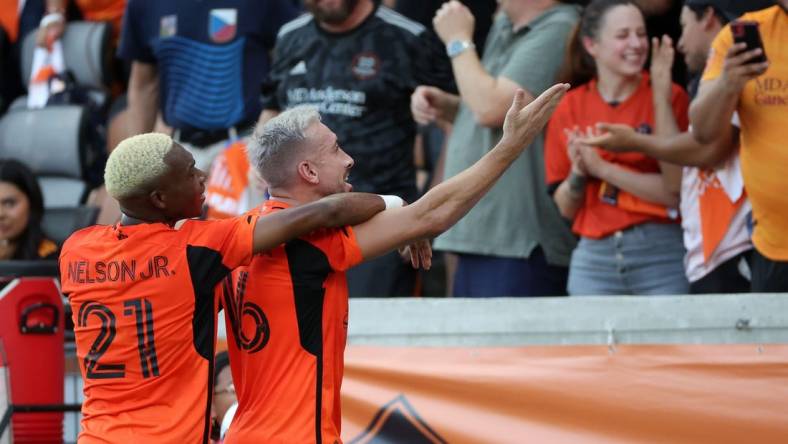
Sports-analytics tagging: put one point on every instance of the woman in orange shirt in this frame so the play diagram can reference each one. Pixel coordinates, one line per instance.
(623, 205)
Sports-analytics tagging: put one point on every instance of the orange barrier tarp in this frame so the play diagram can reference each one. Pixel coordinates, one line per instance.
(567, 394)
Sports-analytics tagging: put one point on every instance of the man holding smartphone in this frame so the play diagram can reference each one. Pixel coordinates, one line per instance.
(735, 81)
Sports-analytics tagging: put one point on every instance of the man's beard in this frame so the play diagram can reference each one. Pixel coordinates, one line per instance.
(334, 17)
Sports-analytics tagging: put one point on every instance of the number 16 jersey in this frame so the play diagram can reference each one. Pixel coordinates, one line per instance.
(144, 313)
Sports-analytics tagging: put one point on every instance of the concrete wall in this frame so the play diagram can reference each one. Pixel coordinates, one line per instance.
(717, 319)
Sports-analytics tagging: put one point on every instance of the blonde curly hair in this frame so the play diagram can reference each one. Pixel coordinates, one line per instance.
(135, 163)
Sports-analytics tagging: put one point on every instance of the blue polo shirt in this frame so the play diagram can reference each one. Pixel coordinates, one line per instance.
(212, 56)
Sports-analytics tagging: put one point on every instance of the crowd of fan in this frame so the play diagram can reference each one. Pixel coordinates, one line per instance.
(661, 172)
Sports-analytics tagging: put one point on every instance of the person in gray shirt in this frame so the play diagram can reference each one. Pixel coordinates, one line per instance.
(514, 242)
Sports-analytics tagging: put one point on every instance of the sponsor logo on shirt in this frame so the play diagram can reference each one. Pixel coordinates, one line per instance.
(168, 26)
(365, 65)
(343, 102)
(771, 91)
(222, 24)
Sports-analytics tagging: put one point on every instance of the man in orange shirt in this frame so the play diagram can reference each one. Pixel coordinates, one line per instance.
(288, 310)
(735, 81)
(142, 291)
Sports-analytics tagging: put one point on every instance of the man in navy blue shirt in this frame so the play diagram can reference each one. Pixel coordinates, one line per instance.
(200, 64)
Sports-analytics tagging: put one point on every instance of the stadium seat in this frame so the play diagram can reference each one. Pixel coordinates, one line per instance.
(51, 141)
(59, 223)
(86, 47)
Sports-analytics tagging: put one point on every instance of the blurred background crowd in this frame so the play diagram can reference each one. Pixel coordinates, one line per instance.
(663, 170)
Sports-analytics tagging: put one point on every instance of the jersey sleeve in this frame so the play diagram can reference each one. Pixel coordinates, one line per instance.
(133, 45)
(431, 65)
(232, 239)
(716, 59)
(279, 68)
(341, 247)
(557, 163)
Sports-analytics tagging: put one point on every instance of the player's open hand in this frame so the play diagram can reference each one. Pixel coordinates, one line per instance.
(523, 122)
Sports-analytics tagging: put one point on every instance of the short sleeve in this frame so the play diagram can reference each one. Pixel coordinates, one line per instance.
(719, 48)
(535, 62)
(133, 46)
(232, 239)
(431, 65)
(341, 247)
(557, 163)
(680, 103)
(279, 68)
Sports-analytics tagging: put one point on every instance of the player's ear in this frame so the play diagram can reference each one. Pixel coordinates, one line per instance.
(308, 172)
(157, 199)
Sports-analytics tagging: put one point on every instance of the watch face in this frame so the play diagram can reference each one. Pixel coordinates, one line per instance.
(455, 47)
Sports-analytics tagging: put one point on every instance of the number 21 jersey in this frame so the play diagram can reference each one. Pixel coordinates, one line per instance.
(144, 313)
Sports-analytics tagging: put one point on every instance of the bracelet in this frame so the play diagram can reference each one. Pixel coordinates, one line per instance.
(50, 18)
(577, 184)
(392, 201)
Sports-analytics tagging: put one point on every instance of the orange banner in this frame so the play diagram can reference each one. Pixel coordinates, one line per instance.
(566, 394)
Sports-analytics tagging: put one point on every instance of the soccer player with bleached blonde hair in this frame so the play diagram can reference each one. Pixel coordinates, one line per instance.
(142, 291)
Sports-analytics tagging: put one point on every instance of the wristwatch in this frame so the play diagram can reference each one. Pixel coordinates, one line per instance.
(457, 47)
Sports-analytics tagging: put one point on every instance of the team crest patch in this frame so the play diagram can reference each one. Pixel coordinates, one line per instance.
(222, 24)
(168, 26)
(365, 65)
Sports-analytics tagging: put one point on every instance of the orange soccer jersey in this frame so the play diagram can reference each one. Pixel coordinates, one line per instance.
(144, 312)
(287, 318)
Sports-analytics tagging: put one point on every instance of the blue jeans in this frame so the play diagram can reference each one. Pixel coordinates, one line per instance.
(647, 259)
(480, 276)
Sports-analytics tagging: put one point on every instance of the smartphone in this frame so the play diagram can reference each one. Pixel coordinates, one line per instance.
(747, 32)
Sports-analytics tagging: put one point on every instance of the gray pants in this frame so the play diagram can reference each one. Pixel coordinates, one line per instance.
(646, 259)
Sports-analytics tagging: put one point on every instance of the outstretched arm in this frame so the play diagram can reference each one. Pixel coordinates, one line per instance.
(680, 149)
(337, 210)
(449, 201)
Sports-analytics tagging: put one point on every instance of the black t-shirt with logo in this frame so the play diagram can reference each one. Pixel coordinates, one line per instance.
(362, 81)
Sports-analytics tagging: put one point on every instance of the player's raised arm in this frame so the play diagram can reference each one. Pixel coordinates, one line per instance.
(333, 211)
(445, 204)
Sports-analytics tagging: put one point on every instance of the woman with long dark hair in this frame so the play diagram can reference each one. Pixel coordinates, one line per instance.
(21, 211)
(623, 205)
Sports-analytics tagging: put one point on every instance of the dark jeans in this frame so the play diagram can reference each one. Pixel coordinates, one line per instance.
(726, 278)
(768, 276)
(490, 276)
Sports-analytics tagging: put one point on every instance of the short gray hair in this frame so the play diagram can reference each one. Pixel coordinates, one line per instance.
(275, 144)
(135, 163)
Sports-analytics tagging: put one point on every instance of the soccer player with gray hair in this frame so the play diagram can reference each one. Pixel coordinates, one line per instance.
(142, 291)
(295, 299)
